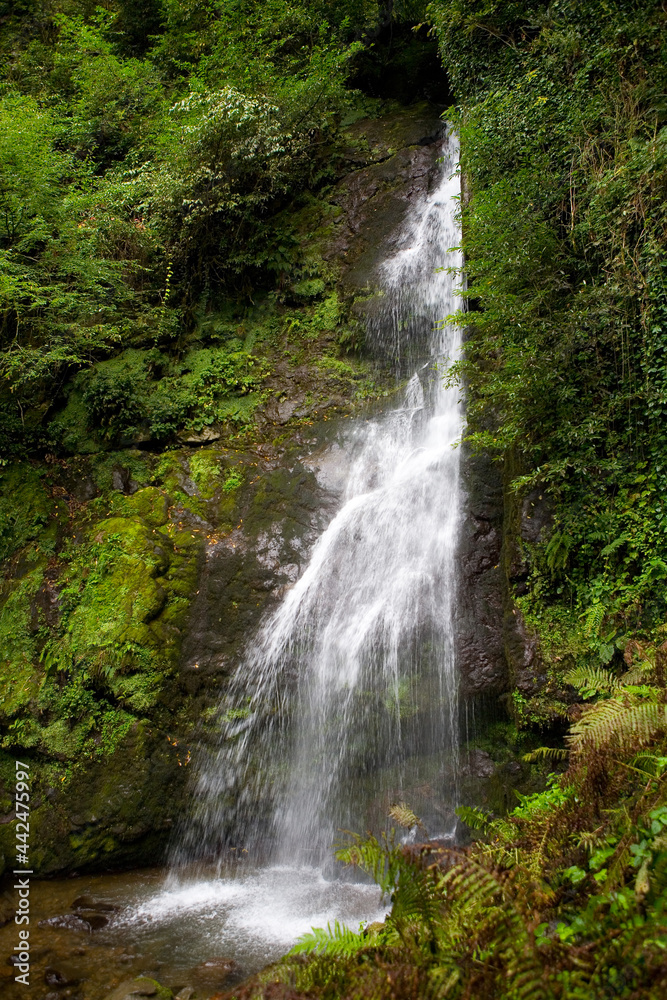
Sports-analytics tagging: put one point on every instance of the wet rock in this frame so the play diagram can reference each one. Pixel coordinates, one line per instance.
(141, 987)
(35, 955)
(479, 624)
(7, 906)
(99, 905)
(479, 765)
(67, 922)
(536, 517)
(374, 201)
(280, 413)
(529, 674)
(216, 971)
(187, 993)
(199, 437)
(61, 975)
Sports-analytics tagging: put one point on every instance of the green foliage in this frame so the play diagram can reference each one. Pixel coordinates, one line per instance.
(404, 816)
(232, 481)
(25, 508)
(564, 145)
(336, 940)
(147, 151)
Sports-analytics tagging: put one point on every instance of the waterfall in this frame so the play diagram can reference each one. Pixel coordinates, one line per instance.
(347, 698)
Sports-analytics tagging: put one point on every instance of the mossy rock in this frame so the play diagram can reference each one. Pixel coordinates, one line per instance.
(26, 508)
(135, 989)
(19, 681)
(150, 505)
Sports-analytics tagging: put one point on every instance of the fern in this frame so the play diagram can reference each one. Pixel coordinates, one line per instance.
(476, 819)
(417, 900)
(592, 680)
(619, 723)
(558, 550)
(545, 753)
(381, 860)
(650, 764)
(404, 816)
(593, 618)
(338, 941)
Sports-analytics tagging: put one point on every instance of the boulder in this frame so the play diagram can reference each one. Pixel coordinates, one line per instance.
(135, 989)
(216, 971)
(61, 974)
(88, 903)
(67, 922)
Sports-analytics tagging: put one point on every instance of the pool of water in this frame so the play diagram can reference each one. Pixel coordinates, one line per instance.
(183, 931)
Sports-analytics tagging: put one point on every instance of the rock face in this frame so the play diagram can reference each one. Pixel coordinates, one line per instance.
(199, 542)
(374, 198)
(175, 556)
(481, 652)
(527, 521)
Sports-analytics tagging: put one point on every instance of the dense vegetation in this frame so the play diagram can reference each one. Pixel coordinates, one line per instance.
(561, 112)
(563, 133)
(147, 149)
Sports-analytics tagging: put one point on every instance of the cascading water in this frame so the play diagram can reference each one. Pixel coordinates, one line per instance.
(350, 689)
(347, 698)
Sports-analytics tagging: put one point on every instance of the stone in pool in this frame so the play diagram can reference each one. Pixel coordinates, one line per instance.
(95, 920)
(89, 903)
(216, 971)
(66, 922)
(142, 987)
(61, 975)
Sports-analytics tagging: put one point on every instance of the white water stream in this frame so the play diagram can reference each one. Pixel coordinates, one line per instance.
(347, 699)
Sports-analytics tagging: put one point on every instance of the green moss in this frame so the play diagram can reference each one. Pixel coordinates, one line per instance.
(103, 467)
(561, 631)
(309, 288)
(233, 480)
(205, 472)
(149, 504)
(26, 509)
(117, 585)
(18, 678)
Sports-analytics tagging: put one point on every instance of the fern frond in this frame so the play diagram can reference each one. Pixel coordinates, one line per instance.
(650, 764)
(442, 981)
(546, 753)
(473, 887)
(476, 819)
(591, 839)
(638, 673)
(592, 680)
(618, 723)
(379, 859)
(338, 940)
(417, 899)
(593, 617)
(486, 912)
(404, 816)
